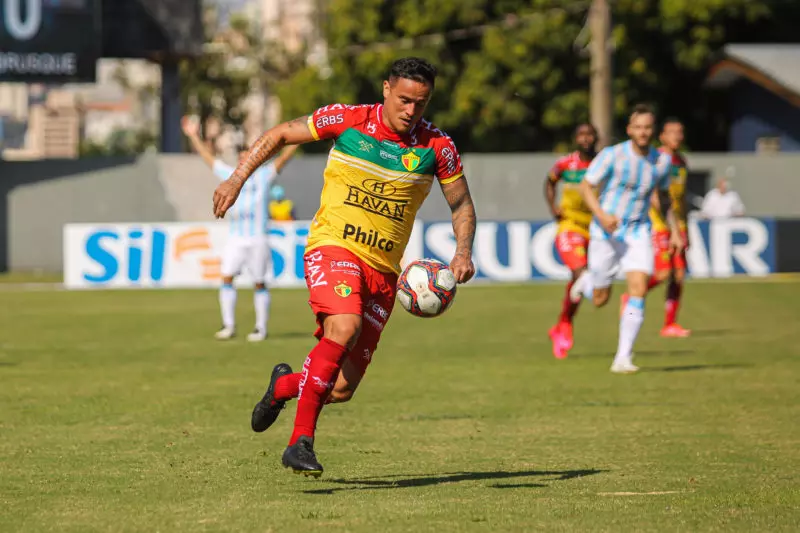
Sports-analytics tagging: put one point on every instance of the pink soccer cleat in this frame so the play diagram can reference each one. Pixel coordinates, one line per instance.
(559, 342)
(566, 333)
(675, 330)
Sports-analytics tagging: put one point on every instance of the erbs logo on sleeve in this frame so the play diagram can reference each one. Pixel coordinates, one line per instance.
(329, 120)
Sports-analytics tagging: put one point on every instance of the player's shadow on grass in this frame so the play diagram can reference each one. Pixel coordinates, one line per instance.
(689, 368)
(665, 352)
(404, 482)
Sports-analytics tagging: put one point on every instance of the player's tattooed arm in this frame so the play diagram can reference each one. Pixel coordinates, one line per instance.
(464, 222)
(269, 144)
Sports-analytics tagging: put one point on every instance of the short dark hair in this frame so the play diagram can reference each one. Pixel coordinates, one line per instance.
(642, 109)
(670, 120)
(582, 124)
(413, 68)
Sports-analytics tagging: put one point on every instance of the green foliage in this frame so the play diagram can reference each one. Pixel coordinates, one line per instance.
(121, 142)
(216, 82)
(513, 73)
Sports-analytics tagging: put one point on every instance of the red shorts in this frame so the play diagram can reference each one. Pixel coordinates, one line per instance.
(341, 283)
(666, 260)
(571, 248)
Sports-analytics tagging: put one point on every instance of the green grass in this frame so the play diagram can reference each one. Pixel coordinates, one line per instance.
(118, 412)
(30, 277)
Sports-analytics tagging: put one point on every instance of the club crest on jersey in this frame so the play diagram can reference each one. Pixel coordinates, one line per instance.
(410, 161)
(343, 290)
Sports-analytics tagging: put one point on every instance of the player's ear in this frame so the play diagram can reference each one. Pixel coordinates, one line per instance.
(387, 88)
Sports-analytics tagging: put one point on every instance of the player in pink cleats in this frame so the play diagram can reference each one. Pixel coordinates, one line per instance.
(573, 218)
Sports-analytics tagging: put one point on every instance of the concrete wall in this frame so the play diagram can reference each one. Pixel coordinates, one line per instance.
(38, 198)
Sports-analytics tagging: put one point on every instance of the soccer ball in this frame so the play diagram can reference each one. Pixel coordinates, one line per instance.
(426, 288)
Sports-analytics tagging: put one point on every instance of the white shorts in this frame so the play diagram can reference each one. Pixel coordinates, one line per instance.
(251, 253)
(609, 256)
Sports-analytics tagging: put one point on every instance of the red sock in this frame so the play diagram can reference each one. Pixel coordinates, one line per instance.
(674, 290)
(654, 281)
(319, 373)
(568, 308)
(287, 387)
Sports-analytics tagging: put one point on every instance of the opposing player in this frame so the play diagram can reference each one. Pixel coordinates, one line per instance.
(669, 264)
(382, 165)
(247, 245)
(620, 232)
(573, 217)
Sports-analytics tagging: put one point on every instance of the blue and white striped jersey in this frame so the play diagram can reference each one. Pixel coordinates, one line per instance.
(626, 181)
(249, 216)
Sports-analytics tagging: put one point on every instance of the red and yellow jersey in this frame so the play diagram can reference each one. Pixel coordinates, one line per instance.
(575, 214)
(375, 181)
(677, 192)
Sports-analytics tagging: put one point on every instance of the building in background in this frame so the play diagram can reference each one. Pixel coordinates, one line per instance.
(51, 121)
(762, 86)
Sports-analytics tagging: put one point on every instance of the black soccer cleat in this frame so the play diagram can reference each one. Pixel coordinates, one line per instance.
(266, 411)
(301, 459)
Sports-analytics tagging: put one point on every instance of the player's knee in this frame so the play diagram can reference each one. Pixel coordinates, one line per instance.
(600, 297)
(227, 280)
(260, 286)
(679, 275)
(577, 273)
(661, 275)
(637, 287)
(343, 329)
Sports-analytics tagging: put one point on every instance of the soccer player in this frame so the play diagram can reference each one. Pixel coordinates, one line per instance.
(573, 217)
(669, 264)
(384, 160)
(247, 245)
(620, 236)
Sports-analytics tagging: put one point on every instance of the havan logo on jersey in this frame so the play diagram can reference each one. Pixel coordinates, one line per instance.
(375, 196)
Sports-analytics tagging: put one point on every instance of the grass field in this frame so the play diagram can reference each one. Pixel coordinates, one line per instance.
(118, 412)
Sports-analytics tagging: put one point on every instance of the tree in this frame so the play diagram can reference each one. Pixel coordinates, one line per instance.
(216, 83)
(512, 72)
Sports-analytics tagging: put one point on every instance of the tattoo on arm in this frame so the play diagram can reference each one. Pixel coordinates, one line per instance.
(265, 148)
(464, 219)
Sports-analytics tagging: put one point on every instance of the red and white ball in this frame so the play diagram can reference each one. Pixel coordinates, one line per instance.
(426, 288)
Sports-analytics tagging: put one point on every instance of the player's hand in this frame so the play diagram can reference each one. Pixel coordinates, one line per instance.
(676, 243)
(225, 196)
(608, 222)
(190, 127)
(462, 267)
(557, 214)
